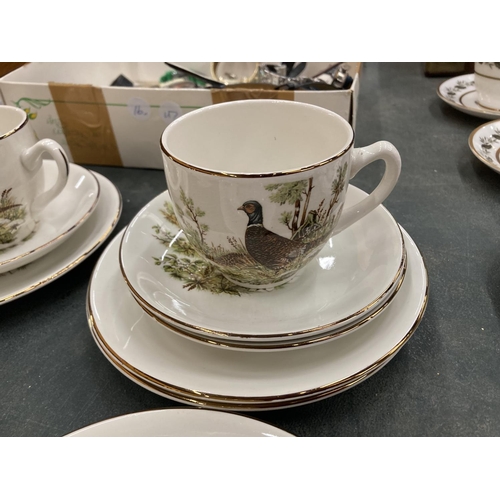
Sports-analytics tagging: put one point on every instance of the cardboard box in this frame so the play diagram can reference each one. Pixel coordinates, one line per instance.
(99, 124)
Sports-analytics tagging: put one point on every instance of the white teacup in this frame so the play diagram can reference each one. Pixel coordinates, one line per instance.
(487, 82)
(258, 186)
(21, 181)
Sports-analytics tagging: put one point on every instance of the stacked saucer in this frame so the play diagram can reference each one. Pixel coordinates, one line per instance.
(71, 227)
(460, 93)
(346, 286)
(173, 324)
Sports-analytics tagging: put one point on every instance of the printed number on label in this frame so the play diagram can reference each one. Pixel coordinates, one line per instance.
(139, 108)
(169, 111)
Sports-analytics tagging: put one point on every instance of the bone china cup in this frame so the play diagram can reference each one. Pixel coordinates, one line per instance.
(258, 186)
(487, 82)
(21, 177)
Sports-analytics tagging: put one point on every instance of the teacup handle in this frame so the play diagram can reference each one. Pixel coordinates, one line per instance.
(361, 157)
(32, 161)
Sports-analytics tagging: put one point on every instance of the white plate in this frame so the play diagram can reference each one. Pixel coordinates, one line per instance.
(232, 404)
(204, 372)
(293, 343)
(352, 275)
(181, 422)
(460, 93)
(484, 142)
(59, 220)
(83, 242)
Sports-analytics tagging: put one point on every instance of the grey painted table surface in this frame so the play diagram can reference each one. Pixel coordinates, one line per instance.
(444, 382)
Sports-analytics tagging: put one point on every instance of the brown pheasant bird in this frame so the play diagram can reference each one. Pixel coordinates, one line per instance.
(269, 249)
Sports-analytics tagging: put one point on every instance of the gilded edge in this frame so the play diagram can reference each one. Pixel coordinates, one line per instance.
(238, 404)
(487, 76)
(453, 103)
(218, 333)
(475, 151)
(262, 175)
(14, 130)
(471, 142)
(62, 235)
(200, 398)
(77, 261)
(253, 346)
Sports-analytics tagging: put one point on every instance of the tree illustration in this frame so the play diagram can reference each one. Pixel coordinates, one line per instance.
(292, 193)
(12, 215)
(337, 188)
(168, 212)
(194, 213)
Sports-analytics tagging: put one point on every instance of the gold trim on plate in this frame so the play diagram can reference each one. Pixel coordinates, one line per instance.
(254, 346)
(462, 96)
(225, 335)
(474, 150)
(236, 405)
(196, 394)
(77, 261)
(82, 219)
(471, 142)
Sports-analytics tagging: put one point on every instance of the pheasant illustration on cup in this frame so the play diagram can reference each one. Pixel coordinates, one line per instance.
(258, 186)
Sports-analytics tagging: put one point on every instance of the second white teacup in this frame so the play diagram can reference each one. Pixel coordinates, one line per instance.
(21, 179)
(487, 81)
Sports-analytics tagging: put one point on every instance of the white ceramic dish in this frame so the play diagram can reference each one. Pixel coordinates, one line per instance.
(201, 374)
(232, 404)
(484, 142)
(59, 220)
(292, 343)
(181, 422)
(460, 93)
(78, 247)
(353, 275)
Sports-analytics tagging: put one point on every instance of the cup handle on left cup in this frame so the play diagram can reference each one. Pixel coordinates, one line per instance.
(31, 159)
(361, 157)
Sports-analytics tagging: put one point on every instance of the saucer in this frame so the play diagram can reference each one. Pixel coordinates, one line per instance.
(352, 276)
(181, 422)
(198, 374)
(83, 242)
(59, 220)
(484, 142)
(460, 92)
(292, 343)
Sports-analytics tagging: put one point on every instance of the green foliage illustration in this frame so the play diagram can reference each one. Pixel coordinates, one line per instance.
(184, 263)
(306, 224)
(26, 103)
(12, 215)
(263, 257)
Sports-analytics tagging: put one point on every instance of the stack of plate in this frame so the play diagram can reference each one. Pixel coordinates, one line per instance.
(484, 141)
(71, 227)
(169, 321)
